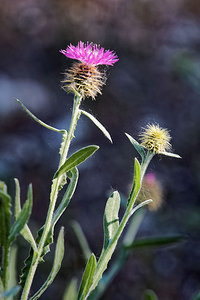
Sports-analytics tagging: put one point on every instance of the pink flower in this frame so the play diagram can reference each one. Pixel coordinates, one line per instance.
(90, 54)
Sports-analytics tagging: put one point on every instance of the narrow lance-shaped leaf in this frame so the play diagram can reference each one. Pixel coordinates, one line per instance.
(62, 206)
(133, 227)
(22, 217)
(25, 232)
(58, 257)
(98, 124)
(38, 120)
(5, 214)
(111, 224)
(71, 291)
(82, 240)
(76, 159)
(73, 176)
(87, 278)
(136, 183)
(111, 219)
(170, 154)
(155, 241)
(137, 146)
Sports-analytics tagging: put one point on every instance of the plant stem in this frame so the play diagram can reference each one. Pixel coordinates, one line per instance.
(6, 256)
(53, 197)
(107, 254)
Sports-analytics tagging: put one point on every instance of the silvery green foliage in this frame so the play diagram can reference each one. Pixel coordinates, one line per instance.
(93, 281)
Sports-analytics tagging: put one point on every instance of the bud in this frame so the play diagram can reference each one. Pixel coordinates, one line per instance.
(155, 139)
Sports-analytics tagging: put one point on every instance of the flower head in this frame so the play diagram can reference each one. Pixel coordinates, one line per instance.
(155, 139)
(90, 54)
(84, 76)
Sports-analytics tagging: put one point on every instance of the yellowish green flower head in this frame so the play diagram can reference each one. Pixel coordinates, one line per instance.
(155, 139)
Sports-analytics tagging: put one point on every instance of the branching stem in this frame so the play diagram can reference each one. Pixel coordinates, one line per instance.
(53, 197)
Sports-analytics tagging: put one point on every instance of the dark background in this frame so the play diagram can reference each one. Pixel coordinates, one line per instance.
(157, 79)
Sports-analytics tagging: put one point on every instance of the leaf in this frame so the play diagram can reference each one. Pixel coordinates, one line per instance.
(25, 232)
(111, 219)
(5, 214)
(150, 295)
(58, 257)
(71, 291)
(73, 176)
(87, 278)
(38, 120)
(82, 239)
(11, 292)
(170, 154)
(98, 124)
(61, 208)
(23, 216)
(133, 227)
(76, 159)
(137, 146)
(1, 288)
(136, 184)
(12, 267)
(155, 241)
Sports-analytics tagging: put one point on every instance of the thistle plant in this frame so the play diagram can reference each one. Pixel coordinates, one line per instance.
(84, 79)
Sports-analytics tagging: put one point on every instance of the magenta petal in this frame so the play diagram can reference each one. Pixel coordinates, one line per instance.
(90, 54)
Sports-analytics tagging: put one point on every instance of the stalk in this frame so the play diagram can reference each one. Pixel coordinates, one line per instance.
(106, 255)
(53, 197)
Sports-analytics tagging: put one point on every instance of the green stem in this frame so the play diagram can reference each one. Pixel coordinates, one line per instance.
(107, 254)
(6, 257)
(53, 197)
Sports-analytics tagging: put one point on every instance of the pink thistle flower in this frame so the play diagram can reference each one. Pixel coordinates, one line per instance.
(90, 54)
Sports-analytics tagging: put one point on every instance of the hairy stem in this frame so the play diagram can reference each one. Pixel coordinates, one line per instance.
(53, 197)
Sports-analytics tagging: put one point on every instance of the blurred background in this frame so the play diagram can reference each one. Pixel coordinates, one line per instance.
(157, 79)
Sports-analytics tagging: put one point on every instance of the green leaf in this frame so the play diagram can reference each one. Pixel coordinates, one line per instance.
(23, 216)
(150, 295)
(82, 239)
(71, 291)
(98, 124)
(76, 159)
(73, 176)
(1, 288)
(111, 225)
(12, 267)
(133, 227)
(87, 278)
(46, 249)
(11, 292)
(58, 257)
(196, 297)
(111, 219)
(137, 146)
(38, 120)
(170, 154)
(5, 214)
(155, 241)
(136, 184)
(25, 232)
